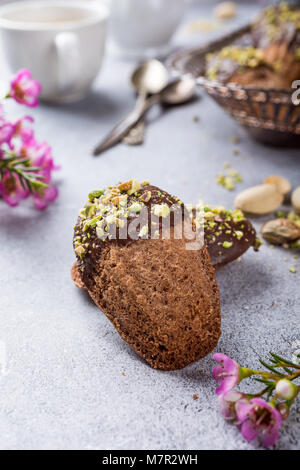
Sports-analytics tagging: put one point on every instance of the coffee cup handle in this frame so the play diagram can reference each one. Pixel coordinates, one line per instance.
(68, 61)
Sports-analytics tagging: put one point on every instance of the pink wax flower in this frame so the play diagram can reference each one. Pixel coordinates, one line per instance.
(23, 132)
(25, 165)
(6, 132)
(24, 89)
(40, 156)
(228, 374)
(228, 404)
(259, 418)
(43, 197)
(11, 189)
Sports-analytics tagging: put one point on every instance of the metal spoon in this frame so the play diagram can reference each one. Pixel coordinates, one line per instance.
(177, 92)
(148, 78)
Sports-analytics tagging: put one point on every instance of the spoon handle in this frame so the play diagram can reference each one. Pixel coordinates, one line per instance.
(121, 129)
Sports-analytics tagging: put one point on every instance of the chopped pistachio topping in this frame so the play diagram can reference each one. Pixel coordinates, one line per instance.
(96, 194)
(276, 17)
(135, 207)
(161, 210)
(242, 56)
(239, 234)
(144, 231)
(135, 186)
(227, 244)
(124, 187)
(107, 209)
(146, 196)
(80, 251)
(217, 221)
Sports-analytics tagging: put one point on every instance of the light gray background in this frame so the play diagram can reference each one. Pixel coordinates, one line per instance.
(62, 384)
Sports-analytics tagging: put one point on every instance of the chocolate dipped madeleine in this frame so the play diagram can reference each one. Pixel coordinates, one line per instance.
(277, 31)
(277, 25)
(251, 67)
(271, 61)
(161, 297)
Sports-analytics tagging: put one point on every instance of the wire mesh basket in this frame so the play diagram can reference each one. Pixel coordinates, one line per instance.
(269, 115)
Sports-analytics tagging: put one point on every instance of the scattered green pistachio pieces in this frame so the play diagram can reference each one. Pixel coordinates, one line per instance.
(96, 194)
(227, 244)
(144, 231)
(225, 181)
(100, 232)
(126, 186)
(90, 210)
(295, 245)
(257, 244)
(91, 223)
(135, 207)
(146, 196)
(294, 218)
(239, 234)
(234, 139)
(161, 210)
(277, 16)
(293, 270)
(80, 251)
(230, 178)
(135, 187)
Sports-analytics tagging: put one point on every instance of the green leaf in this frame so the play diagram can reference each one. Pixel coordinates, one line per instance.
(270, 368)
(263, 381)
(284, 361)
(20, 167)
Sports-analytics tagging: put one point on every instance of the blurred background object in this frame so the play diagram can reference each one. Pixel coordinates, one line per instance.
(144, 28)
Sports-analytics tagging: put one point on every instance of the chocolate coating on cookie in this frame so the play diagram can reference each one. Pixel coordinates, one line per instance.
(231, 243)
(228, 234)
(109, 216)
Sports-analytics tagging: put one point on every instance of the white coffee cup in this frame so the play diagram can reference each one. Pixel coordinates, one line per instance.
(143, 28)
(61, 42)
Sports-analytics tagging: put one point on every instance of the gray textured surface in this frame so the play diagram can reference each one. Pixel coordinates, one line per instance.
(62, 386)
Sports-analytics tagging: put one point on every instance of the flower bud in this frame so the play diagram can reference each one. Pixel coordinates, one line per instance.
(286, 389)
